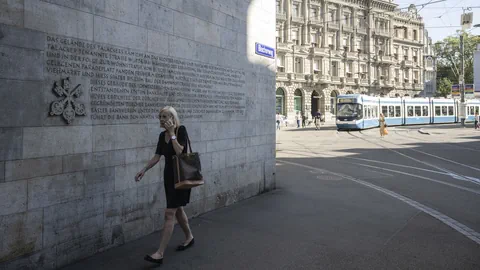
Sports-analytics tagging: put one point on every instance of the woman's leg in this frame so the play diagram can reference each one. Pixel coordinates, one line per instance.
(166, 232)
(183, 221)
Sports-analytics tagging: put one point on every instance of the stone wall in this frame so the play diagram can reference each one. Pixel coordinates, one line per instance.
(81, 83)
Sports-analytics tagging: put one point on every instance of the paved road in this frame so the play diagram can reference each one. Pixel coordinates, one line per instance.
(343, 201)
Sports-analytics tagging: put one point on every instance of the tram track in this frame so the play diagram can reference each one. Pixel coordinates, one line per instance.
(448, 172)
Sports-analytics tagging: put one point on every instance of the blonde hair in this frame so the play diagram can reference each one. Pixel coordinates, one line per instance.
(173, 112)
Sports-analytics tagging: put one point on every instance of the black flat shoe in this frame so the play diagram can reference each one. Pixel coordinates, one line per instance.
(182, 247)
(148, 258)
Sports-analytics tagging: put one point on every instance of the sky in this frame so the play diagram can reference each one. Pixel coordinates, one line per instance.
(443, 19)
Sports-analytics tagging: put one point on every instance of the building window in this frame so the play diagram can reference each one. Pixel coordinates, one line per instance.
(397, 75)
(346, 19)
(405, 75)
(316, 66)
(405, 33)
(331, 16)
(295, 37)
(405, 54)
(298, 100)
(313, 13)
(280, 63)
(415, 76)
(279, 9)
(363, 71)
(415, 37)
(334, 69)
(331, 41)
(298, 65)
(279, 36)
(313, 39)
(296, 10)
(429, 62)
(348, 69)
(415, 56)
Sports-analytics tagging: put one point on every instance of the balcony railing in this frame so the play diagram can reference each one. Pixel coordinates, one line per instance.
(316, 21)
(319, 51)
(298, 19)
(352, 55)
(362, 30)
(335, 79)
(323, 78)
(350, 80)
(386, 59)
(283, 47)
(407, 85)
(407, 63)
(347, 28)
(382, 32)
(363, 81)
(281, 16)
(417, 86)
(334, 25)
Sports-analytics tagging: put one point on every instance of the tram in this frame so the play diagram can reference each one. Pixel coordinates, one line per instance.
(362, 112)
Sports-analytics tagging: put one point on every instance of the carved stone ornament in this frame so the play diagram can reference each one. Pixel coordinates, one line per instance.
(67, 106)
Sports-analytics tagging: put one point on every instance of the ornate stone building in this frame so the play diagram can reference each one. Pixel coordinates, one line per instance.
(430, 68)
(331, 47)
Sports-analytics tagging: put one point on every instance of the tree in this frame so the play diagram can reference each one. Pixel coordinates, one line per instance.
(444, 87)
(449, 57)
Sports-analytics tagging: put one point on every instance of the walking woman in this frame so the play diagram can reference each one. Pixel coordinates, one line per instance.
(172, 141)
(383, 130)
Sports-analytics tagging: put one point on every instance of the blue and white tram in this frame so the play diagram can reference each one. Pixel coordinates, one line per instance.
(473, 106)
(362, 112)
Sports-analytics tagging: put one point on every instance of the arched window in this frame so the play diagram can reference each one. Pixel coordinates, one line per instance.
(333, 102)
(298, 101)
(397, 95)
(349, 92)
(280, 101)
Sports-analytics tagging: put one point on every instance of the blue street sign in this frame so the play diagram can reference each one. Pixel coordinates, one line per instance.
(264, 50)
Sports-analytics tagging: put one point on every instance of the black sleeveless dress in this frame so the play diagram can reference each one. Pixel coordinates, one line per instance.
(175, 198)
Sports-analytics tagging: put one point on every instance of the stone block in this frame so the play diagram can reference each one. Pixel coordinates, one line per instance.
(125, 176)
(182, 48)
(80, 247)
(156, 17)
(139, 155)
(119, 10)
(21, 37)
(50, 190)
(209, 131)
(173, 4)
(207, 33)
(220, 145)
(158, 42)
(30, 168)
(206, 161)
(12, 12)
(55, 19)
(112, 209)
(183, 25)
(21, 64)
(219, 18)
(113, 137)
(44, 259)
(120, 34)
(51, 141)
(241, 142)
(99, 181)
(242, 43)
(11, 143)
(218, 160)
(20, 234)
(2, 172)
(72, 220)
(24, 103)
(81, 162)
(13, 197)
(206, 53)
(200, 147)
(82, 5)
(199, 10)
(228, 39)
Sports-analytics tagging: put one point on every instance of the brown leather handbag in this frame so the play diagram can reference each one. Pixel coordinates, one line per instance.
(187, 169)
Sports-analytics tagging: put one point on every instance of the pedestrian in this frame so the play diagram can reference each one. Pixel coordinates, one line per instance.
(317, 119)
(383, 125)
(477, 120)
(297, 118)
(285, 120)
(304, 119)
(172, 141)
(278, 119)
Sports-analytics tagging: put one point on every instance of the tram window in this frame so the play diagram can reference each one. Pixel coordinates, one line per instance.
(369, 108)
(410, 110)
(391, 111)
(398, 112)
(478, 109)
(418, 111)
(425, 110)
(450, 110)
(438, 111)
(385, 111)
(444, 110)
(375, 111)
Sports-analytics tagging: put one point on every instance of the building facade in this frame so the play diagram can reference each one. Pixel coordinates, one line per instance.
(429, 68)
(331, 47)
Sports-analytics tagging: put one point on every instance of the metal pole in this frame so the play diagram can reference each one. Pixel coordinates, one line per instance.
(462, 77)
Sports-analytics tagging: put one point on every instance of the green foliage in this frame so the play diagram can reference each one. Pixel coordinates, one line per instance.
(449, 57)
(444, 87)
